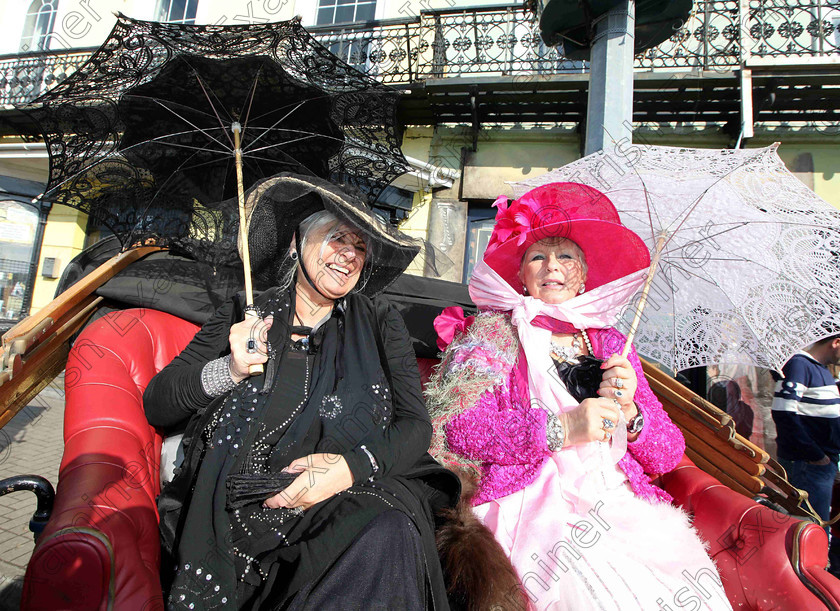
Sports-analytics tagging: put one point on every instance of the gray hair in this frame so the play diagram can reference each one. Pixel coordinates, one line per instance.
(310, 226)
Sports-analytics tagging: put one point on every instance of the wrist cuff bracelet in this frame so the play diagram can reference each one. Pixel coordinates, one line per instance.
(555, 435)
(215, 377)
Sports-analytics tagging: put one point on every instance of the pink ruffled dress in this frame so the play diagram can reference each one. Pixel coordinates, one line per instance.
(582, 530)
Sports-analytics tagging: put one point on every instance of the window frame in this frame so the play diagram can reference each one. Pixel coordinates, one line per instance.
(31, 23)
(163, 11)
(481, 219)
(335, 6)
(38, 220)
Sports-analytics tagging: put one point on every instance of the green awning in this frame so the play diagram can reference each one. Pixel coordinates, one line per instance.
(570, 22)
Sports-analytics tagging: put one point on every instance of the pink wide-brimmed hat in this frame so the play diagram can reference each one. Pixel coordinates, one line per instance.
(565, 210)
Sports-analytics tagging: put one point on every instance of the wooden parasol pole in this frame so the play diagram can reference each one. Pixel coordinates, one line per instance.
(243, 233)
(660, 245)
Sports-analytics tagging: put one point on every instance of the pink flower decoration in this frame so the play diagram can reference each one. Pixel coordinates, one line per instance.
(526, 213)
(501, 204)
(509, 221)
(449, 323)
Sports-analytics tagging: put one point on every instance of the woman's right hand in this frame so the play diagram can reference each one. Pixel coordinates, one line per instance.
(253, 327)
(585, 423)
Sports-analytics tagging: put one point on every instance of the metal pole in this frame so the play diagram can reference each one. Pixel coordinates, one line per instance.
(609, 116)
(745, 73)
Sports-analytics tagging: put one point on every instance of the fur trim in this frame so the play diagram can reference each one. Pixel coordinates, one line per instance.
(479, 575)
(475, 361)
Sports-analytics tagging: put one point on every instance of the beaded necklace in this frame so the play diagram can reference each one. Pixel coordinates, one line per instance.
(570, 353)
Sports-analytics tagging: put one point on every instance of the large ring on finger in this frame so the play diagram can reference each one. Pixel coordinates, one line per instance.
(251, 345)
(608, 424)
(618, 382)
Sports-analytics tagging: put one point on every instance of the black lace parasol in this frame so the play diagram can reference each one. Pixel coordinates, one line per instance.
(141, 137)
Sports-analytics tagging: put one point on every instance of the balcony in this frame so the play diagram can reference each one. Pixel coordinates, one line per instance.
(490, 56)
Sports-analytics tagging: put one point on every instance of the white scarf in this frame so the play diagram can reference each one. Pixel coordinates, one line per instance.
(598, 308)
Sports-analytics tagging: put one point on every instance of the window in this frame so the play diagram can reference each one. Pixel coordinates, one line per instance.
(177, 11)
(18, 226)
(350, 45)
(40, 20)
(480, 223)
(345, 11)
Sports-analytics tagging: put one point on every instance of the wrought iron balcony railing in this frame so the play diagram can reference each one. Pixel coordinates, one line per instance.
(720, 35)
(25, 77)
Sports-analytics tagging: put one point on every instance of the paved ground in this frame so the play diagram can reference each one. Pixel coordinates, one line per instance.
(31, 443)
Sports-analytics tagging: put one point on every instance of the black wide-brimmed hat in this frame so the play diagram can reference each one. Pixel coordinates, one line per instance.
(275, 208)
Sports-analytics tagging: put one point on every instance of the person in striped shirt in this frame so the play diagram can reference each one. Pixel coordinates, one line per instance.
(806, 410)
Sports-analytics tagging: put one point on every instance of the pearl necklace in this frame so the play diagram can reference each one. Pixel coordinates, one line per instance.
(570, 353)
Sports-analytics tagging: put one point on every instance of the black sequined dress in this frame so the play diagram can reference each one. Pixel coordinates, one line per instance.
(334, 397)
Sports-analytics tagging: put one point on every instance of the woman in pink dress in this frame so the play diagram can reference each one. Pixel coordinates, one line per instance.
(558, 431)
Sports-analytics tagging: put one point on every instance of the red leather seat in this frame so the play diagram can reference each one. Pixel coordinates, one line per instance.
(101, 550)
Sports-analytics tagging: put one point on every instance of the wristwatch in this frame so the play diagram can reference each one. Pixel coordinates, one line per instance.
(636, 423)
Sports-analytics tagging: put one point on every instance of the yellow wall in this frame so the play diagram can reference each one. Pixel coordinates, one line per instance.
(416, 141)
(506, 154)
(417, 225)
(64, 238)
(826, 175)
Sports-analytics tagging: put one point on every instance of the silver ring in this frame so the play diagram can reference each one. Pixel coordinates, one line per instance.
(618, 382)
(251, 345)
(607, 436)
(608, 424)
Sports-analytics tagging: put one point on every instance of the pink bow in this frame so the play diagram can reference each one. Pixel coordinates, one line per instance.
(449, 323)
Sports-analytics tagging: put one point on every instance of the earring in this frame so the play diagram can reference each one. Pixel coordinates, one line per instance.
(524, 290)
(293, 255)
(582, 288)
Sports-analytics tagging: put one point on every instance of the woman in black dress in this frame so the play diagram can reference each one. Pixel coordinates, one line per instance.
(339, 407)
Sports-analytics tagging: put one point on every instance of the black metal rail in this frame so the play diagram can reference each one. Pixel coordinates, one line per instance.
(720, 35)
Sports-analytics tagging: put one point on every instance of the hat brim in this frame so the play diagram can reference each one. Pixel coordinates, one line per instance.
(279, 204)
(612, 251)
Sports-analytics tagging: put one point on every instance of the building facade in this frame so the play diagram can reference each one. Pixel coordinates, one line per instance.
(486, 102)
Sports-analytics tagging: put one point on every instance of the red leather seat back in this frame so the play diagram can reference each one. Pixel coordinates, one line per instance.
(761, 554)
(101, 546)
(426, 367)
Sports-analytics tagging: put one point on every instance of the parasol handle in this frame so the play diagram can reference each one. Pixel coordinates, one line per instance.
(243, 233)
(660, 245)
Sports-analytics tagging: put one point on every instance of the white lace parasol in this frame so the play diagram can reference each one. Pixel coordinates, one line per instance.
(750, 270)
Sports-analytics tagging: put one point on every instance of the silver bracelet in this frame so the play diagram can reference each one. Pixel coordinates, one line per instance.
(636, 423)
(555, 435)
(373, 464)
(216, 379)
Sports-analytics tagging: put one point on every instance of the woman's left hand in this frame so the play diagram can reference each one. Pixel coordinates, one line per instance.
(321, 476)
(619, 382)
